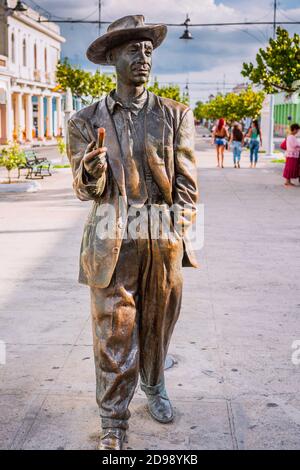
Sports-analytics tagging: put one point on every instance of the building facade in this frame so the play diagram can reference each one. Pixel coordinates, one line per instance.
(286, 112)
(30, 105)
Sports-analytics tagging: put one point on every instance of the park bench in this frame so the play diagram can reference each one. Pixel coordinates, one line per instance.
(35, 165)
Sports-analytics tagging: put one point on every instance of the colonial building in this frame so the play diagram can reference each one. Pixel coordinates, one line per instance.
(30, 106)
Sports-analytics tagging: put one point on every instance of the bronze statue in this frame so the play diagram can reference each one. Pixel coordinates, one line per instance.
(136, 281)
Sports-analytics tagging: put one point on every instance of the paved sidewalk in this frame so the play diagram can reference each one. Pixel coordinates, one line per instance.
(234, 384)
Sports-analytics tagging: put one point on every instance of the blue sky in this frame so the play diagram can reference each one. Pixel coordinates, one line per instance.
(211, 62)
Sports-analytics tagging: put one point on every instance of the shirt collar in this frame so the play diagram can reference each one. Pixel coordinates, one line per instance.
(136, 105)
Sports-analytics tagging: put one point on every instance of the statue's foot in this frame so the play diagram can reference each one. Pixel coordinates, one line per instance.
(160, 408)
(112, 439)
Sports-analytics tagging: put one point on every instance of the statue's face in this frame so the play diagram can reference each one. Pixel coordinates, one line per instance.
(133, 61)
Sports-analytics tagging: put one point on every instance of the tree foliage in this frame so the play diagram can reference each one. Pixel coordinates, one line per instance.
(232, 106)
(90, 87)
(99, 85)
(61, 145)
(83, 84)
(11, 158)
(170, 91)
(277, 67)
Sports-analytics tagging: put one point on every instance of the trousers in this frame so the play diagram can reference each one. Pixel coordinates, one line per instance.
(133, 320)
(237, 150)
(254, 148)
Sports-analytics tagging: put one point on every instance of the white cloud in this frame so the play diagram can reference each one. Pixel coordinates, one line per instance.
(168, 10)
(214, 51)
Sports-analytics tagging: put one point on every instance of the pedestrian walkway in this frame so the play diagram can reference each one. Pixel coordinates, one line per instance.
(234, 385)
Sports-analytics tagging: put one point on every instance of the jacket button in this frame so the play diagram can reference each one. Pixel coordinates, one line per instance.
(115, 249)
(120, 225)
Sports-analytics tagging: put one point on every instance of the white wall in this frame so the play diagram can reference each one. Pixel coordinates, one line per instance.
(22, 31)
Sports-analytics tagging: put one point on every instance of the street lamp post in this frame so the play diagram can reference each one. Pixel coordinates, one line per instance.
(270, 147)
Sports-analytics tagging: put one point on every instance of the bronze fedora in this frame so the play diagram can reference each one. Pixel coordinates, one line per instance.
(121, 31)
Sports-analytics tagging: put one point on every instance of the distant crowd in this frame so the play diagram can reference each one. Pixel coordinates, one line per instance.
(235, 139)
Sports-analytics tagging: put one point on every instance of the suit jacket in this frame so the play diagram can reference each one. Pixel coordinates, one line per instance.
(169, 148)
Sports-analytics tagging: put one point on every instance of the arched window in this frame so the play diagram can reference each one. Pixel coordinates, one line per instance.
(13, 48)
(24, 53)
(35, 57)
(46, 62)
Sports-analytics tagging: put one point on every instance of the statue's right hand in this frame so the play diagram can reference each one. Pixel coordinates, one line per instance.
(94, 160)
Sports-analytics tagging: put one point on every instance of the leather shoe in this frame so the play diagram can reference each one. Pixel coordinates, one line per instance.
(160, 407)
(112, 439)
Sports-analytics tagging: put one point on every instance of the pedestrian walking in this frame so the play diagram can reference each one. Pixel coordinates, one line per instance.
(254, 133)
(220, 134)
(237, 142)
(292, 154)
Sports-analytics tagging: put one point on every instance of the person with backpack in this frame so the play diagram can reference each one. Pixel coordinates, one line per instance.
(237, 142)
(291, 168)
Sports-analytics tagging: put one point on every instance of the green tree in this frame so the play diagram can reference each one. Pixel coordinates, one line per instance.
(99, 85)
(62, 147)
(84, 85)
(199, 110)
(250, 103)
(169, 91)
(72, 77)
(277, 67)
(11, 158)
(233, 106)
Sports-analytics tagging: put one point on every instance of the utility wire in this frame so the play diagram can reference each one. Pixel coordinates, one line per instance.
(282, 12)
(248, 23)
(60, 19)
(252, 36)
(55, 18)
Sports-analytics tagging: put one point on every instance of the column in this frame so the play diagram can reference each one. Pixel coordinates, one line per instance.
(41, 129)
(17, 134)
(49, 120)
(58, 116)
(28, 117)
(9, 116)
(266, 123)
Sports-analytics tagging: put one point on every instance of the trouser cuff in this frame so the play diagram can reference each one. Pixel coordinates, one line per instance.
(158, 389)
(114, 423)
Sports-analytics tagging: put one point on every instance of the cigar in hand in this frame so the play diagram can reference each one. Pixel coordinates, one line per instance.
(100, 143)
(100, 137)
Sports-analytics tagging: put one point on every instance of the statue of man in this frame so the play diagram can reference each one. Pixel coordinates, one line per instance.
(135, 281)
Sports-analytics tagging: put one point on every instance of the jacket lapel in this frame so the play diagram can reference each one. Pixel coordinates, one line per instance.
(154, 144)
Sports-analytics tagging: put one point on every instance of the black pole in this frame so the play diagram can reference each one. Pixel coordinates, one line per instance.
(275, 18)
(99, 27)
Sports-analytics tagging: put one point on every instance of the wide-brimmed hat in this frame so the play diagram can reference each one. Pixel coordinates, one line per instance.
(121, 31)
